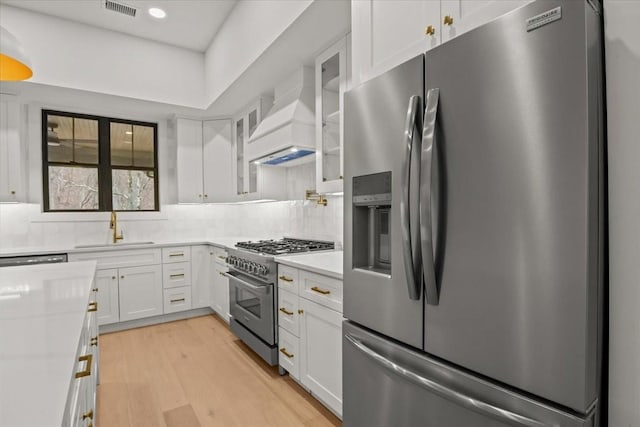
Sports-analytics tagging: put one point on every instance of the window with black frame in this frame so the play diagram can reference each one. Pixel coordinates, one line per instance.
(93, 163)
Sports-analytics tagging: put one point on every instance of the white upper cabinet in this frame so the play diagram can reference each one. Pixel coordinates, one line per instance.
(386, 33)
(189, 136)
(12, 152)
(217, 158)
(204, 160)
(330, 83)
(460, 16)
(251, 180)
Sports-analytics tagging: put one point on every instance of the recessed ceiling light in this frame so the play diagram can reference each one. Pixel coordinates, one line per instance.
(294, 149)
(128, 132)
(156, 12)
(257, 162)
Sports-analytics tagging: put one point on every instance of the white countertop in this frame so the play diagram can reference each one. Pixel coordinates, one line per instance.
(42, 308)
(327, 263)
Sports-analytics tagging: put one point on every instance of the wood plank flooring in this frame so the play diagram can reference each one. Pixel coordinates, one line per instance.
(193, 373)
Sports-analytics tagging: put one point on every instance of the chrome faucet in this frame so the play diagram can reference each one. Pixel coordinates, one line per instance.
(114, 226)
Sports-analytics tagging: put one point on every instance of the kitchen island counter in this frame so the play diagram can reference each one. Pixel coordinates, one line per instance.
(42, 308)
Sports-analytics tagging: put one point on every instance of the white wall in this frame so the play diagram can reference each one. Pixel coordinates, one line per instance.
(622, 49)
(73, 55)
(252, 26)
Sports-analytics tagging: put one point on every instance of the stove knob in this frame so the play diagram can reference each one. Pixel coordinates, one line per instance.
(250, 267)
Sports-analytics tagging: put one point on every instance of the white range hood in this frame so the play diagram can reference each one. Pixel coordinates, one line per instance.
(286, 136)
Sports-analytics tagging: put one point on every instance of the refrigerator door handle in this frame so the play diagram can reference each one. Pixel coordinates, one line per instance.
(426, 169)
(458, 398)
(414, 115)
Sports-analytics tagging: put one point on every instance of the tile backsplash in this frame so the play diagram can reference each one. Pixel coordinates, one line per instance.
(21, 225)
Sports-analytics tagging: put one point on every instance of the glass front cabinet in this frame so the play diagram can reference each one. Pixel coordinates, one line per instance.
(244, 124)
(331, 82)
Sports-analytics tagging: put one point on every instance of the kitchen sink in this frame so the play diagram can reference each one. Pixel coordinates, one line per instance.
(112, 245)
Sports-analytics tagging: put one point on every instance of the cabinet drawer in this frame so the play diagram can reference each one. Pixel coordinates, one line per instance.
(120, 258)
(288, 311)
(176, 254)
(289, 356)
(321, 289)
(220, 255)
(288, 278)
(176, 274)
(177, 299)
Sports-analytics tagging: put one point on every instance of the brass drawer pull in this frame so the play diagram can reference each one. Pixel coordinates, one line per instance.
(222, 257)
(177, 254)
(94, 341)
(285, 279)
(221, 273)
(284, 351)
(87, 415)
(300, 311)
(87, 370)
(94, 289)
(93, 306)
(287, 312)
(176, 275)
(320, 291)
(177, 300)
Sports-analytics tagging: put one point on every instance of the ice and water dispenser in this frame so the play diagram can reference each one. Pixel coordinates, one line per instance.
(372, 222)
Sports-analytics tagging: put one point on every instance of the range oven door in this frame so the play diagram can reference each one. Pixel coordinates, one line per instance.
(251, 303)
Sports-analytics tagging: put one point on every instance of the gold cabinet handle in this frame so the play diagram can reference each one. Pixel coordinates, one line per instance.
(87, 415)
(300, 311)
(287, 312)
(221, 273)
(429, 31)
(122, 277)
(93, 306)
(222, 257)
(176, 275)
(94, 290)
(177, 300)
(177, 254)
(87, 370)
(448, 20)
(320, 291)
(113, 277)
(94, 341)
(284, 351)
(285, 278)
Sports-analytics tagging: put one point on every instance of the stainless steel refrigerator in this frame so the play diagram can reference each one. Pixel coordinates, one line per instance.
(474, 229)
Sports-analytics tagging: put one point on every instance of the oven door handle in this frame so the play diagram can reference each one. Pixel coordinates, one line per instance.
(261, 289)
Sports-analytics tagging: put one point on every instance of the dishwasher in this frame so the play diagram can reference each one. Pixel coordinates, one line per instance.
(32, 260)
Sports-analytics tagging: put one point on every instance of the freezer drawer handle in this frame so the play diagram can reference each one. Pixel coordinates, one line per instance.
(414, 116)
(447, 393)
(426, 178)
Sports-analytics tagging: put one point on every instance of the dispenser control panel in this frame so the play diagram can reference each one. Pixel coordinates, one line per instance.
(374, 189)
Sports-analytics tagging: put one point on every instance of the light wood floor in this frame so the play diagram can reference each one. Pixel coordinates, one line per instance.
(193, 373)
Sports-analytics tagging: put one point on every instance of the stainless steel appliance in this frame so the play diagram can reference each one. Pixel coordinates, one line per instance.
(490, 312)
(253, 290)
(32, 259)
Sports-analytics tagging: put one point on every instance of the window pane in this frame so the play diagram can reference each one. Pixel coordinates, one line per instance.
(133, 190)
(131, 145)
(72, 140)
(73, 188)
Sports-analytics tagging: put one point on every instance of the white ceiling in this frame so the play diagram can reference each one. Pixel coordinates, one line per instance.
(190, 24)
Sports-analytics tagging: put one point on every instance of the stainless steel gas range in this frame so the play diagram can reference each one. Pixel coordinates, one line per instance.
(253, 290)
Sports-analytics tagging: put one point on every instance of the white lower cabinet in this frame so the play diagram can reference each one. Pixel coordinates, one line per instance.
(107, 296)
(219, 283)
(201, 275)
(321, 353)
(80, 410)
(140, 292)
(310, 332)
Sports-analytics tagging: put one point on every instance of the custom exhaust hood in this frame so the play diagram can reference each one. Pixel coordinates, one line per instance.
(286, 136)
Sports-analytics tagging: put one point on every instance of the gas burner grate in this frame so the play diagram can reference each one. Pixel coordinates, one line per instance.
(286, 246)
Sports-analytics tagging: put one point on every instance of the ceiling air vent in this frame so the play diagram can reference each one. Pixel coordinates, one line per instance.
(120, 8)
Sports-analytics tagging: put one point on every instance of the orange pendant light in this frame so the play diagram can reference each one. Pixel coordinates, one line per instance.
(14, 64)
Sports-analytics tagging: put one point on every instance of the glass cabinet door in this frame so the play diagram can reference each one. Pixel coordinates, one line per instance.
(240, 156)
(252, 121)
(331, 82)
